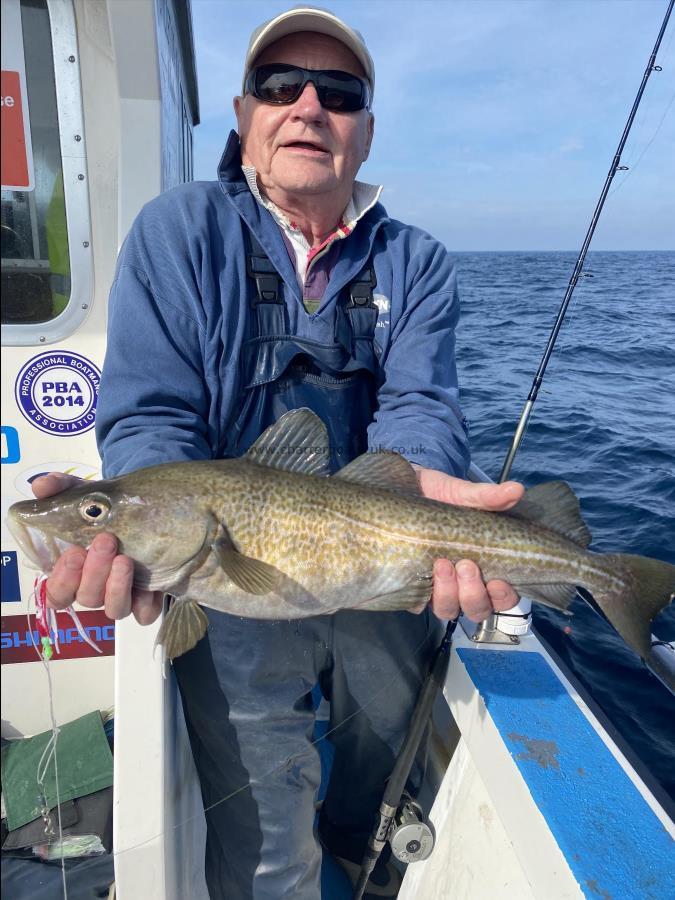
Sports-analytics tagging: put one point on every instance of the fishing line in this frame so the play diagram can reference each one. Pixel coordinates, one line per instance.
(637, 162)
(49, 753)
(568, 304)
(578, 267)
(642, 123)
(265, 776)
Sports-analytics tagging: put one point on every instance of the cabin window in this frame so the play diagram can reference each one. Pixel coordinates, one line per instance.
(43, 174)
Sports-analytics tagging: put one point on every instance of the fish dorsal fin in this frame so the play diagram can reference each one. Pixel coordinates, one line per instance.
(556, 506)
(383, 469)
(297, 442)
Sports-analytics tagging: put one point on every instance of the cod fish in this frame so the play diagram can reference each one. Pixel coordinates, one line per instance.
(269, 536)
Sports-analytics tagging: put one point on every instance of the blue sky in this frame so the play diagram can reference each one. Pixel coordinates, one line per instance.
(496, 120)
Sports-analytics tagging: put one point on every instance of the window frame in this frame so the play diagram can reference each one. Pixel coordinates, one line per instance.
(70, 117)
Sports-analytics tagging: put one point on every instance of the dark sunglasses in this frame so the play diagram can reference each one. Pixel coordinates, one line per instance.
(281, 83)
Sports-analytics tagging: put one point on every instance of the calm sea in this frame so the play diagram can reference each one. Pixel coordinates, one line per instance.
(604, 422)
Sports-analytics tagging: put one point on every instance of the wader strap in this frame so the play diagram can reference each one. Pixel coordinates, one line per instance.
(361, 309)
(355, 320)
(267, 299)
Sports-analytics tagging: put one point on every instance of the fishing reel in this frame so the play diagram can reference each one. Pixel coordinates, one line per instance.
(411, 839)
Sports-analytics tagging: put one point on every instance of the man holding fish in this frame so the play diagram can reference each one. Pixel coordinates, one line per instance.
(285, 285)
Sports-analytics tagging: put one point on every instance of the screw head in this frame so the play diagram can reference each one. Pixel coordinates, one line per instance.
(85, 243)
(71, 58)
(42, 340)
(80, 177)
(78, 137)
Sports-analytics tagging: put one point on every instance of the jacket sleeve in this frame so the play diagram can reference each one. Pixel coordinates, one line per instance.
(153, 403)
(418, 414)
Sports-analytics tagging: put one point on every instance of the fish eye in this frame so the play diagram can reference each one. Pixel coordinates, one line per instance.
(94, 510)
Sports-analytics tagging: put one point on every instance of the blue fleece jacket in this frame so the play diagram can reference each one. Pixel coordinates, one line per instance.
(178, 313)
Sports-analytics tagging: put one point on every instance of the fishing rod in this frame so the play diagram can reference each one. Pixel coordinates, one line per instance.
(391, 800)
(386, 818)
(578, 266)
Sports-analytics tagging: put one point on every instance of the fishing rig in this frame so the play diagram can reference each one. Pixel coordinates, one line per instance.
(393, 816)
(46, 629)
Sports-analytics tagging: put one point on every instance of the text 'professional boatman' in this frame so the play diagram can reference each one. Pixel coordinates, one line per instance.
(285, 284)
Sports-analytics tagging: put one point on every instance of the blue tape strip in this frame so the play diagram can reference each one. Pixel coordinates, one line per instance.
(613, 843)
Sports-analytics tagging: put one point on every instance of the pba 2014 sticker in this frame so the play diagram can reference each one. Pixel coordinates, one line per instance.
(57, 392)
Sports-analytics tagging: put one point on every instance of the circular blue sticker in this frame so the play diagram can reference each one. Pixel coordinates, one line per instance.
(57, 392)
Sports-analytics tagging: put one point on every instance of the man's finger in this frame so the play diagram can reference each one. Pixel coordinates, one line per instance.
(493, 497)
(53, 483)
(445, 594)
(96, 570)
(473, 595)
(502, 595)
(118, 588)
(479, 495)
(64, 581)
(146, 606)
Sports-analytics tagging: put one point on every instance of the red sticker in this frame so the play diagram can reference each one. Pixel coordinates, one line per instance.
(15, 175)
(17, 644)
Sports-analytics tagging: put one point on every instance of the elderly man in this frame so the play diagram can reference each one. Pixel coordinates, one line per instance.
(285, 284)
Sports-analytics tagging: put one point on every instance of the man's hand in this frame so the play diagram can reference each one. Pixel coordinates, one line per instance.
(97, 577)
(460, 588)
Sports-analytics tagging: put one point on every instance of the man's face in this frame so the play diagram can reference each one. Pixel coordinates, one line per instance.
(302, 149)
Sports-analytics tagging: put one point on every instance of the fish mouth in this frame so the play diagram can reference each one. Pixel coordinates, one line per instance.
(42, 550)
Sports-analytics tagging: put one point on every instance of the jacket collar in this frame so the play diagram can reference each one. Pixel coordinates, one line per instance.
(229, 167)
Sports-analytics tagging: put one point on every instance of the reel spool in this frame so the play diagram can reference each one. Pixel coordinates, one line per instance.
(411, 838)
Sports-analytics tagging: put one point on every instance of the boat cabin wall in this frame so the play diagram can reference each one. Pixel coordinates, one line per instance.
(107, 101)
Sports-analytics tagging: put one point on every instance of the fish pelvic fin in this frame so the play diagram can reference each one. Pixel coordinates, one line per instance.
(184, 625)
(649, 588)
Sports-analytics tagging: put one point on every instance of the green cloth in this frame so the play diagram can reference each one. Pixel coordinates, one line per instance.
(85, 765)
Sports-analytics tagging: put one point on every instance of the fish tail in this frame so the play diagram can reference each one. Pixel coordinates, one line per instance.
(184, 625)
(649, 586)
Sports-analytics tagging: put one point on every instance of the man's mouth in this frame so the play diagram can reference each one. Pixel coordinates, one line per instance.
(307, 147)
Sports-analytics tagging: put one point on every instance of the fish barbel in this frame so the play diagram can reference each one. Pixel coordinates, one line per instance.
(269, 536)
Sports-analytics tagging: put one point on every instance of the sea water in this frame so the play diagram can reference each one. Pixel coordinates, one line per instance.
(604, 422)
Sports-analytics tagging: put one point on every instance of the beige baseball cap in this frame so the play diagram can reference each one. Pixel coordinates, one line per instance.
(309, 18)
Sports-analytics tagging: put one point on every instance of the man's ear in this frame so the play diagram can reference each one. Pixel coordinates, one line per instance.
(369, 137)
(236, 105)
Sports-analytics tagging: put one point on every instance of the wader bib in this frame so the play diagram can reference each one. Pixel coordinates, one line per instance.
(247, 686)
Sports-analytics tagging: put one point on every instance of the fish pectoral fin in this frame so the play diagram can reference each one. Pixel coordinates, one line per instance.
(413, 597)
(184, 625)
(297, 442)
(384, 469)
(249, 574)
(554, 505)
(559, 596)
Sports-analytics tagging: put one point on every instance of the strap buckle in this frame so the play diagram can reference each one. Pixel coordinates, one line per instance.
(361, 291)
(266, 281)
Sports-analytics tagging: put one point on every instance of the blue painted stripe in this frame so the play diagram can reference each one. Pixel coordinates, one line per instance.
(611, 839)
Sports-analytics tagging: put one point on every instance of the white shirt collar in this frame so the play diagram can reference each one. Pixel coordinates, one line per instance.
(364, 197)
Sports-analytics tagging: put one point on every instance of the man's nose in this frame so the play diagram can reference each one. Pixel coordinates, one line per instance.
(308, 105)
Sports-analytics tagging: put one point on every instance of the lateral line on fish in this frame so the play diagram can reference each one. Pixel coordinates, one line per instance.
(523, 555)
